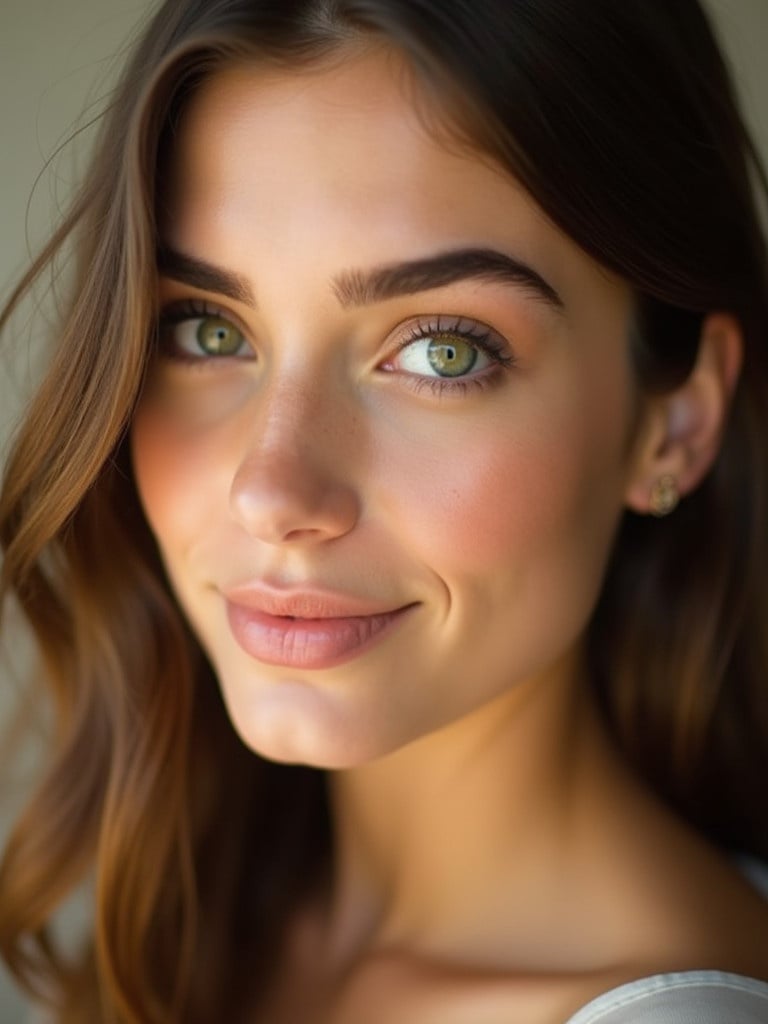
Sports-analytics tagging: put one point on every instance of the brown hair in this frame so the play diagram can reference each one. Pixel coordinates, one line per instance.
(194, 874)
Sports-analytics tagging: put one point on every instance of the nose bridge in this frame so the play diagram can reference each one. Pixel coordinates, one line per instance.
(294, 412)
(295, 480)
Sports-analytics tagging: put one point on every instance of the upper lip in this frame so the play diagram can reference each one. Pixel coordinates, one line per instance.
(305, 602)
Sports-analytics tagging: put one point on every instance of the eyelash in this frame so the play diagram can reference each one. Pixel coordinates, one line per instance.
(476, 334)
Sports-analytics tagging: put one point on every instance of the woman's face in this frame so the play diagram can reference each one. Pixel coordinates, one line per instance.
(386, 440)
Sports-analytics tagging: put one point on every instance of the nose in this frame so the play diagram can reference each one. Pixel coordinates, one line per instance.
(294, 481)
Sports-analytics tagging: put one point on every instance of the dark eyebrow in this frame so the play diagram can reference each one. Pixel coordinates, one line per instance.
(203, 275)
(361, 288)
(358, 288)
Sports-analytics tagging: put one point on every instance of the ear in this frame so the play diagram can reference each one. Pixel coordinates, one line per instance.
(679, 433)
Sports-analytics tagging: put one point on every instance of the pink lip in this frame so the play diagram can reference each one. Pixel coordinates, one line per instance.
(306, 629)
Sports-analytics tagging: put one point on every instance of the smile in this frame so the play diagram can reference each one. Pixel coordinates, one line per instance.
(318, 641)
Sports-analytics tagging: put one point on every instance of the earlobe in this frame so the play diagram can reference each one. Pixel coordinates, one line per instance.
(679, 436)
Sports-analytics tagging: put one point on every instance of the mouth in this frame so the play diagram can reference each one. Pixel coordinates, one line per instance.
(309, 630)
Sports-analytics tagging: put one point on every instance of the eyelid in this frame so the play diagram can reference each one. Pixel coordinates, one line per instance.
(193, 307)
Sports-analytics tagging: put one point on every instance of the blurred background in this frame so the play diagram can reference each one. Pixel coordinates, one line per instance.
(58, 59)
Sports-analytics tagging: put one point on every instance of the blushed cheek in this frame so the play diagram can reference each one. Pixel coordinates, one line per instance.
(473, 510)
(482, 503)
(532, 498)
(170, 476)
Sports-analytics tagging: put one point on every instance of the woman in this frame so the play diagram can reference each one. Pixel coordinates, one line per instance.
(392, 524)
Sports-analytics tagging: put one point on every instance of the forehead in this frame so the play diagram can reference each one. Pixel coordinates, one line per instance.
(353, 131)
(341, 160)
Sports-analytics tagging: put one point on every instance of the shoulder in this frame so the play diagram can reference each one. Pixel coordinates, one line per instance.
(687, 997)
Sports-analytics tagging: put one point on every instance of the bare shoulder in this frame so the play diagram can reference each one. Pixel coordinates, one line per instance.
(643, 888)
(692, 905)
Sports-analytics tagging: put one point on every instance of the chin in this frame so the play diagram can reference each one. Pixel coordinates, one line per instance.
(294, 724)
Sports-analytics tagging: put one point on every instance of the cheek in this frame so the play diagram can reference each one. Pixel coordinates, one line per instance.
(537, 484)
(172, 472)
(517, 522)
(183, 443)
(471, 504)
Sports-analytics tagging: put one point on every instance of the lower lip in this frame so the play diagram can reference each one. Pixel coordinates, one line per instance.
(308, 643)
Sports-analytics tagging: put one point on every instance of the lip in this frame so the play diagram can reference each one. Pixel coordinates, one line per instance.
(310, 628)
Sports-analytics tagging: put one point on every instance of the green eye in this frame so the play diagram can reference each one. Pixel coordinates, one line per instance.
(443, 353)
(195, 335)
(218, 337)
(450, 356)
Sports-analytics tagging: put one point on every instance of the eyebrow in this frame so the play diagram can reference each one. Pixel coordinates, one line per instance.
(204, 275)
(358, 288)
(362, 288)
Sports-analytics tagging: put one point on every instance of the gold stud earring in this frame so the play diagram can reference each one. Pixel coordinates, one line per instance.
(664, 496)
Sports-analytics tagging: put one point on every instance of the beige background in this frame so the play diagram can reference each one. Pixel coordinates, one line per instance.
(57, 58)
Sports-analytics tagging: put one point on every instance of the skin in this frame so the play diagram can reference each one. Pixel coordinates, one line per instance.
(491, 843)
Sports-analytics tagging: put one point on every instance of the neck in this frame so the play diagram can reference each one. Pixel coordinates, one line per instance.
(449, 839)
